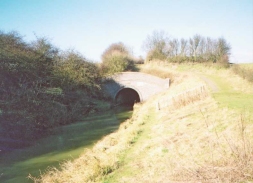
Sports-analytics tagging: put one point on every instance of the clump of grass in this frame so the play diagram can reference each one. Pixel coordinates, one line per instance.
(245, 71)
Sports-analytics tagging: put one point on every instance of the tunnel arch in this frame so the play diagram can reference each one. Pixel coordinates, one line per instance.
(144, 84)
(127, 96)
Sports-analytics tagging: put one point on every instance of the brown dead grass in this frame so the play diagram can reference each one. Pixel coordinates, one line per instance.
(161, 72)
(244, 70)
(195, 142)
(179, 72)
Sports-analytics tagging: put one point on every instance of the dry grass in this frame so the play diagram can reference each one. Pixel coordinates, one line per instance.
(180, 72)
(161, 72)
(183, 98)
(191, 141)
(244, 70)
(197, 143)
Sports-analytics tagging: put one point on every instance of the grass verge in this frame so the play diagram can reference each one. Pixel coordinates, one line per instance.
(230, 95)
(198, 141)
(244, 70)
(104, 158)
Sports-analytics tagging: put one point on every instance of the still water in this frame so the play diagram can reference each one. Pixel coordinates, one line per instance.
(63, 143)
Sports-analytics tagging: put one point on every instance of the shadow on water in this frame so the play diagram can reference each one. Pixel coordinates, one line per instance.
(64, 143)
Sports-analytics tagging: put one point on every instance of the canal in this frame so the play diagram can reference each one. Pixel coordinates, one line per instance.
(61, 144)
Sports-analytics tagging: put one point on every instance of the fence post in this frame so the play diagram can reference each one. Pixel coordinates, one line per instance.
(158, 106)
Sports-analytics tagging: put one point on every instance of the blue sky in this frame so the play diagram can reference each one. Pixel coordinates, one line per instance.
(90, 26)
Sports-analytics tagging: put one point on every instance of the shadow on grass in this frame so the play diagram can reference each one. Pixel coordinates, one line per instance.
(64, 143)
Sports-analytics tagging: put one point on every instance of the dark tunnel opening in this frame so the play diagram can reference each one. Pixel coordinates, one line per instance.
(127, 96)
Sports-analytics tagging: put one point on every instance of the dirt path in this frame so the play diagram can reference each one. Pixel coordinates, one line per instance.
(210, 83)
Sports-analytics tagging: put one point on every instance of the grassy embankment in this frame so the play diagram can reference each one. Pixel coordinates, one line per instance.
(197, 136)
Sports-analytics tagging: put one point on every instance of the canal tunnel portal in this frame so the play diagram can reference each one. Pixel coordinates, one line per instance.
(131, 87)
(127, 96)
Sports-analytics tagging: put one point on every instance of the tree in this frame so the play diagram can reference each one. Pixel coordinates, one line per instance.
(194, 44)
(116, 47)
(173, 48)
(209, 49)
(183, 47)
(156, 45)
(222, 48)
(116, 58)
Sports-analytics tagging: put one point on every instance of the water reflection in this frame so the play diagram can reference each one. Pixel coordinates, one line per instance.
(62, 143)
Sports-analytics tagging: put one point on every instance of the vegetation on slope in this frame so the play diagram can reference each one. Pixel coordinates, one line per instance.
(198, 141)
(202, 142)
(244, 70)
(42, 87)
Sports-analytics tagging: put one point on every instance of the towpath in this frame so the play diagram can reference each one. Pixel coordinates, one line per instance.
(213, 86)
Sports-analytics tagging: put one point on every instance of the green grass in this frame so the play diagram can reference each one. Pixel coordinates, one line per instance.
(173, 142)
(129, 155)
(238, 101)
(228, 97)
(65, 143)
(199, 141)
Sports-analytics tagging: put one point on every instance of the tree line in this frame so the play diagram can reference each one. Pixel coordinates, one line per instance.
(201, 49)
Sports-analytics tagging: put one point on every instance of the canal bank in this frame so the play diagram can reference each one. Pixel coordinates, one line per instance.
(62, 144)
